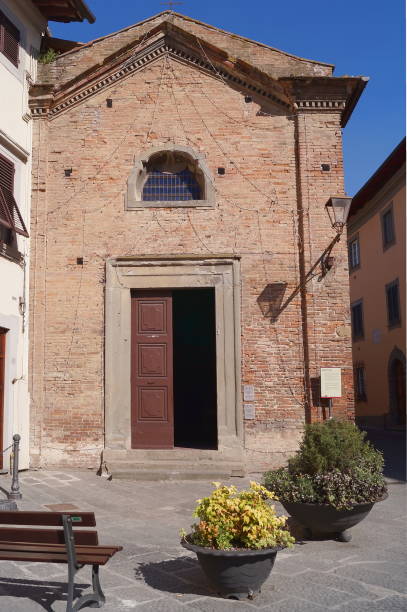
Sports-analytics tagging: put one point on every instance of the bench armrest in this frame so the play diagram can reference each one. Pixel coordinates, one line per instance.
(69, 541)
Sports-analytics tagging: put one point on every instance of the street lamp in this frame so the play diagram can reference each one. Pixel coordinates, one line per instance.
(337, 208)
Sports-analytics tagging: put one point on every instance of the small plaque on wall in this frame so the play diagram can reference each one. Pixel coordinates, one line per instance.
(249, 411)
(331, 382)
(248, 393)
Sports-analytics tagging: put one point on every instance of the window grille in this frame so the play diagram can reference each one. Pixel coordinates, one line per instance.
(360, 383)
(393, 303)
(9, 39)
(10, 216)
(354, 254)
(388, 228)
(357, 321)
(171, 186)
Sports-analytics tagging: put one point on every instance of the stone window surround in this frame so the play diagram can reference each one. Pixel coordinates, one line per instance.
(171, 272)
(137, 176)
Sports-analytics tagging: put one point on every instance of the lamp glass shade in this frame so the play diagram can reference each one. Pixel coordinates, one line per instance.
(338, 210)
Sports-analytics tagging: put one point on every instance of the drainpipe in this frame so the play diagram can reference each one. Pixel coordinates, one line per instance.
(302, 269)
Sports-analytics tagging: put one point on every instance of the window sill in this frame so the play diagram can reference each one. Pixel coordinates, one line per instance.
(10, 253)
(137, 205)
(361, 398)
(388, 246)
(395, 325)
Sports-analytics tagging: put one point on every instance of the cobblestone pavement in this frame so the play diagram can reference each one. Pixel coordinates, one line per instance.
(154, 574)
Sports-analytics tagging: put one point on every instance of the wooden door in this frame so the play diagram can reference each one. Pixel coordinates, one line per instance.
(400, 388)
(152, 403)
(2, 370)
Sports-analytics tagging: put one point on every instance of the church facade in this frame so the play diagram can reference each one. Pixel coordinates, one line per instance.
(180, 313)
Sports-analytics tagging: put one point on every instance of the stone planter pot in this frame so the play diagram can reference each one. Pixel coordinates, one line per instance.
(326, 520)
(235, 574)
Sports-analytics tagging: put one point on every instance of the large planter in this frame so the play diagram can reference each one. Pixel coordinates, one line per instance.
(235, 574)
(327, 520)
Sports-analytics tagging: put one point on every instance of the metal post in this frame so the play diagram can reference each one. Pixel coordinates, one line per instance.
(15, 483)
(330, 408)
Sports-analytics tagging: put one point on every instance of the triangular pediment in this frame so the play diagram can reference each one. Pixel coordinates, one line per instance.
(164, 39)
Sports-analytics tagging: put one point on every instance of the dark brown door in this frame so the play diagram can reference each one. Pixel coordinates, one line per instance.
(2, 370)
(152, 404)
(400, 388)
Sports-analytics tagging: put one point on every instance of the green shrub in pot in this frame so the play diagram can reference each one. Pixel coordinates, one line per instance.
(334, 467)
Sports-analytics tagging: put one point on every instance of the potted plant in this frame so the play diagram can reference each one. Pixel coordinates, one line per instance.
(333, 481)
(237, 538)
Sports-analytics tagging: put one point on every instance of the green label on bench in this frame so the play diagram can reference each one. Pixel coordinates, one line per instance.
(76, 519)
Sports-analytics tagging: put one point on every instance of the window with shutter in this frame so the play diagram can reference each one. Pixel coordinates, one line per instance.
(393, 303)
(357, 320)
(9, 39)
(354, 254)
(360, 383)
(389, 236)
(10, 216)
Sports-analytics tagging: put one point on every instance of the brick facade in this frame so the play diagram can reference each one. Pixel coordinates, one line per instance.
(269, 210)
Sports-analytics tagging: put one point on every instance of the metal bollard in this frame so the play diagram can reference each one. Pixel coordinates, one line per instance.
(15, 483)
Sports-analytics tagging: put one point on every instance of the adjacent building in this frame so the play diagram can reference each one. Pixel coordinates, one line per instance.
(23, 26)
(377, 268)
(180, 313)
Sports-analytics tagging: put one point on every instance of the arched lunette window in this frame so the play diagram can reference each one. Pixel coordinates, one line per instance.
(171, 177)
(176, 176)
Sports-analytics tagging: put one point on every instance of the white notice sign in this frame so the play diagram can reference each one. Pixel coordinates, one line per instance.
(331, 383)
(248, 393)
(249, 411)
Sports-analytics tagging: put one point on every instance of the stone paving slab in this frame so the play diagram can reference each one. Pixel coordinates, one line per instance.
(155, 574)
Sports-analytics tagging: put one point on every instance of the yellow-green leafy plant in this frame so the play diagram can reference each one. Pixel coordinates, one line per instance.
(232, 519)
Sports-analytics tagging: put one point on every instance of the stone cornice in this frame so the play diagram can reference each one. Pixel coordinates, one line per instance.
(47, 101)
(325, 93)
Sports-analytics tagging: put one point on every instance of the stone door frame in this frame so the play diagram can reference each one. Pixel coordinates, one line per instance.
(172, 272)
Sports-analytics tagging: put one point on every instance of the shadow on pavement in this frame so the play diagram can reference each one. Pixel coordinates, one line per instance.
(182, 575)
(42, 592)
(392, 443)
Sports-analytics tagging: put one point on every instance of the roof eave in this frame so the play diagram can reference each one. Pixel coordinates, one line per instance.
(386, 170)
(74, 10)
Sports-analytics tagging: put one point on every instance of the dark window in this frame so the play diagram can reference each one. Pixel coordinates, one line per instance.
(357, 320)
(393, 303)
(360, 383)
(388, 228)
(10, 217)
(9, 39)
(354, 254)
(170, 177)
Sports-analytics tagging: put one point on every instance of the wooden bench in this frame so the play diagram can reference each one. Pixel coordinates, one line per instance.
(29, 538)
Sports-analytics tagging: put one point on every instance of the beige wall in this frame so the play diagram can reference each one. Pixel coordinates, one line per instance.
(15, 145)
(378, 267)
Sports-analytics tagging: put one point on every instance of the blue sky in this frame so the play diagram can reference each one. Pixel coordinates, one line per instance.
(361, 37)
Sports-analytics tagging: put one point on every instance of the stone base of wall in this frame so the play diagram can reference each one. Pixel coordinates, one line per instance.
(268, 446)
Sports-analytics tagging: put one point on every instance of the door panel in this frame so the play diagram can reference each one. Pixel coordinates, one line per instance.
(152, 404)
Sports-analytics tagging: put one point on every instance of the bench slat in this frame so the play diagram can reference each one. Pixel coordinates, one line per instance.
(85, 559)
(59, 548)
(85, 537)
(54, 519)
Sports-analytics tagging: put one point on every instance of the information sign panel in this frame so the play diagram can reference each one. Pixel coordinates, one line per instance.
(331, 382)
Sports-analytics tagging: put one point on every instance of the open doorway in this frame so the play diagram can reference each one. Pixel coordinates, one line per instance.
(195, 415)
(173, 364)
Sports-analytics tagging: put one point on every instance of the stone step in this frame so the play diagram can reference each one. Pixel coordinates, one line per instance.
(173, 454)
(173, 464)
(146, 473)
